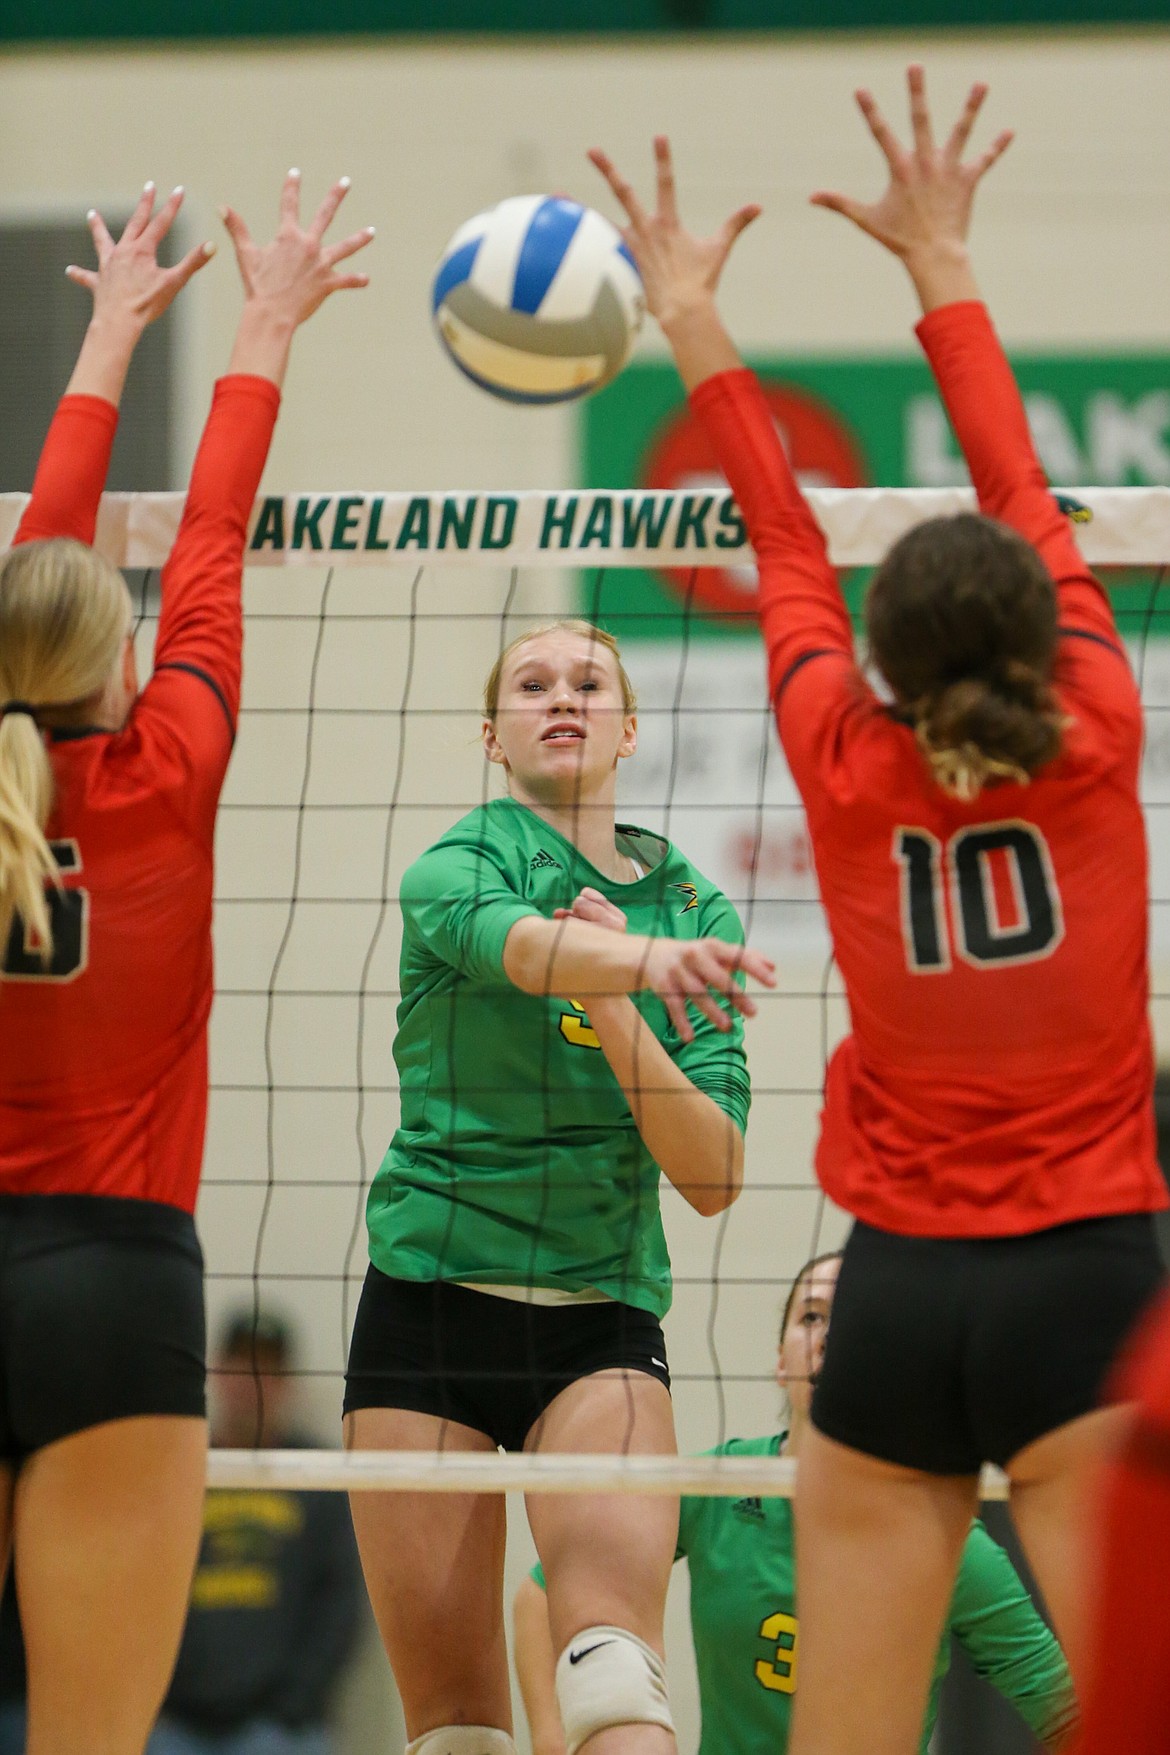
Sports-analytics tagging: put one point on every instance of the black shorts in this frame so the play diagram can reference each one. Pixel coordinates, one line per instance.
(945, 1353)
(490, 1363)
(101, 1315)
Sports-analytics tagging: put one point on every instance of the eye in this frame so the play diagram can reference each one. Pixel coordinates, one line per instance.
(589, 686)
(531, 686)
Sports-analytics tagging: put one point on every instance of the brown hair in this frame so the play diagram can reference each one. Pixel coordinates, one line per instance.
(599, 637)
(961, 620)
(808, 1268)
(64, 613)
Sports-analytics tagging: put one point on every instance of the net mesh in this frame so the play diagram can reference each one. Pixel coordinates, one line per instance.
(358, 747)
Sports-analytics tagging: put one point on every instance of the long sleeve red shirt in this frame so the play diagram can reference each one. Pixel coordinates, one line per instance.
(103, 1056)
(998, 1074)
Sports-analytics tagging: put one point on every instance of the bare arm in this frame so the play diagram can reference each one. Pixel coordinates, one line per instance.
(536, 1669)
(695, 1144)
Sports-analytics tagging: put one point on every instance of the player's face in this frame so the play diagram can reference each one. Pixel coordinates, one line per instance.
(801, 1352)
(561, 726)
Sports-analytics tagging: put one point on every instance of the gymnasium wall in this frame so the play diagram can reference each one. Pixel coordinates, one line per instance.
(1073, 246)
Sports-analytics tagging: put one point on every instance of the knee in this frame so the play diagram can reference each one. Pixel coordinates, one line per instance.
(606, 1676)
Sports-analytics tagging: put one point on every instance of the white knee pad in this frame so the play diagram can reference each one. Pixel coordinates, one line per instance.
(462, 1740)
(606, 1676)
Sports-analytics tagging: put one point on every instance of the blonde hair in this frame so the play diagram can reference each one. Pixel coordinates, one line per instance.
(598, 636)
(64, 613)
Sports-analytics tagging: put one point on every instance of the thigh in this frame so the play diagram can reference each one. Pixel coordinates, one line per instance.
(892, 1385)
(606, 1557)
(877, 1551)
(107, 1531)
(1053, 1311)
(434, 1569)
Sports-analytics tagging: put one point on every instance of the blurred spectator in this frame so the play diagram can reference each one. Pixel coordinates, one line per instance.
(277, 1592)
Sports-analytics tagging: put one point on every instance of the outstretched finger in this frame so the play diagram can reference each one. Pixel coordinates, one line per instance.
(739, 222)
(961, 132)
(103, 243)
(920, 110)
(664, 175)
(834, 202)
(995, 151)
(348, 246)
(623, 191)
(191, 263)
(236, 230)
(347, 283)
(143, 209)
(758, 966)
(891, 146)
(82, 277)
(290, 198)
(323, 218)
(676, 1011)
(160, 225)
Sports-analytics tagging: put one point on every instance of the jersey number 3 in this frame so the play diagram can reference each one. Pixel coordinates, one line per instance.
(1005, 904)
(69, 919)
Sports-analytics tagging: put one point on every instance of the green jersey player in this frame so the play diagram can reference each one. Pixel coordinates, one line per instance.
(740, 1555)
(570, 1027)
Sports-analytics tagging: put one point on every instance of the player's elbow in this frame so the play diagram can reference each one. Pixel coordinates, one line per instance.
(527, 957)
(721, 1182)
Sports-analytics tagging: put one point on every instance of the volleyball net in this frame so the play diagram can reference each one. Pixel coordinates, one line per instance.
(371, 621)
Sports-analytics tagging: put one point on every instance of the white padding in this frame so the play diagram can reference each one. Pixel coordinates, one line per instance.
(606, 1676)
(462, 1740)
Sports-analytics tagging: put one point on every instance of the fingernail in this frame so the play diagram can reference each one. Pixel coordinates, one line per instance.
(293, 172)
(209, 249)
(177, 190)
(370, 231)
(148, 188)
(91, 213)
(223, 213)
(344, 182)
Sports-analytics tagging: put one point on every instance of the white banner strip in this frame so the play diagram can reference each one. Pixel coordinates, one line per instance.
(447, 1471)
(588, 527)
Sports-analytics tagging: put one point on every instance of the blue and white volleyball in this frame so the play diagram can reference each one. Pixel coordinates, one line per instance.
(538, 300)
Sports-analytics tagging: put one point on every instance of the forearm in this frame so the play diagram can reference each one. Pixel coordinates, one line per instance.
(700, 343)
(263, 342)
(573, 959)
(694, 1143)
(105, 356)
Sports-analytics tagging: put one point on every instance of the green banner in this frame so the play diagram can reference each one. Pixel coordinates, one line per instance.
(1098, 420)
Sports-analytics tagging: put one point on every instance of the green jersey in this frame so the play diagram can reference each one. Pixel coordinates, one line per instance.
(516, 1161)
(742, 1562)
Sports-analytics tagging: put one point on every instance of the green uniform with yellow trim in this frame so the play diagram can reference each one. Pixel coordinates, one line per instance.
(742, 1562)
(517, 1161)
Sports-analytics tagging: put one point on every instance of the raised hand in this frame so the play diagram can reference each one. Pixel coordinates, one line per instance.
(678, 269)
(129, 283)
(926, 207)
(294, 274)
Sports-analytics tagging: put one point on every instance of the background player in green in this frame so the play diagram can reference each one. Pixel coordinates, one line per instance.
(518, 1263)
(740, 1555)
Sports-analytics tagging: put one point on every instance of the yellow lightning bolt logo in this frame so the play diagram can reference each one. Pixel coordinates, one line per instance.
(691, 894)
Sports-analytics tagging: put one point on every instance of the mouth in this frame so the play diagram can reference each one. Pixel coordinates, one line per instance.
(563, 734)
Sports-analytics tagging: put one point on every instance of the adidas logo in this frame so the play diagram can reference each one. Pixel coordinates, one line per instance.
(750, 1507)
(542, 861)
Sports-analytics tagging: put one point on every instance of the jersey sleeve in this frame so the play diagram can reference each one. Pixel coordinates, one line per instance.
(982, 399)
(715, 1061)
(186, 715)
(1006, 1640)
(459, 902)
(71, 474)
(813, 679)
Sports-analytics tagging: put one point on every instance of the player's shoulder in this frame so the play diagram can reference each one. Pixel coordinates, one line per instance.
(494, 831)
(713, 912)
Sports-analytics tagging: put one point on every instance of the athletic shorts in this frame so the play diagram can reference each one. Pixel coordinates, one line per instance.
(945, 1353)
(490, 1363)
(101, 1315)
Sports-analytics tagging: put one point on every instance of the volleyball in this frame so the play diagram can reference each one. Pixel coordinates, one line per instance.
(538, 300)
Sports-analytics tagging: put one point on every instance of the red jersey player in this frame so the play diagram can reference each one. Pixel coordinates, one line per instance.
(982, 861)
(107, 810)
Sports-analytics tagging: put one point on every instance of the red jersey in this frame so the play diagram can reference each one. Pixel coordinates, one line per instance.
(999, 1074)
(103, 1055)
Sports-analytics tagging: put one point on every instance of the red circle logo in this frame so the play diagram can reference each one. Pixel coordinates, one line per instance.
(820, 446)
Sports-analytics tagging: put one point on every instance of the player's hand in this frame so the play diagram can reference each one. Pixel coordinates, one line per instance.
(678, 269)
(927, 204)
(129, 284)
(700, 972)
(597, 909)
(291, 277)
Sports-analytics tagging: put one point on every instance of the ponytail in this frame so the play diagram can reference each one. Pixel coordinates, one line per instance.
(988, 729)
(64, 614)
